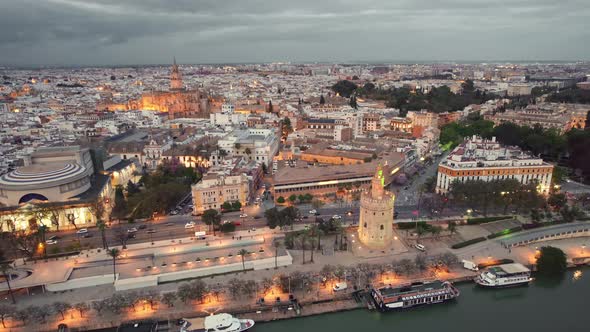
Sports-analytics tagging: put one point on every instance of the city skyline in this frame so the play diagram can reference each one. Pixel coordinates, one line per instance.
(70, 32)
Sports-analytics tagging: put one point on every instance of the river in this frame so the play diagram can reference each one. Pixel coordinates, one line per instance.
(557, 304)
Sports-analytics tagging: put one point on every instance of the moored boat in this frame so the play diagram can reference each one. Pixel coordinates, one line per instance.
(216, 323)
(415, 294)
(505, 275)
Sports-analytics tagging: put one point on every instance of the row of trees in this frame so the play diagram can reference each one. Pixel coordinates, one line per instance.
(293, 199)
(437, 99)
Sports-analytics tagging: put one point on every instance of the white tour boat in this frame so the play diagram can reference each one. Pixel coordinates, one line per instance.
(215, 323)
(505, 275)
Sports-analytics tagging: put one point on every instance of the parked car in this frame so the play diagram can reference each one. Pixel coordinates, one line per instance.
(50, 241)
(151, 231)
(243, 215)
(54, 237)
(189, 225)
(131, 236)
(420, 247)
(132, 230)
(314, 211)
(142, 227)
(82, 231)
(87, 235)
(340, 286)
(336, 217)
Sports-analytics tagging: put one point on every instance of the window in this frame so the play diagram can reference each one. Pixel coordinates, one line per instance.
(382, 227)
(365, 225)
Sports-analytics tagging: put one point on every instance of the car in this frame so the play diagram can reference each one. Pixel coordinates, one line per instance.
(142, 227)
(189, 225)
(131, 236)
(169, 224)
(237, 223)
(314, 211)
(51, 241)
(243, 215)
(87, 235)
(336, 217)
(54, 237)
(349, 213)
(253, 229)
(420, 247)
(174, 212)
(82, 231)
(316, 214)
(340, 286)
(132, 230)
(151, 231)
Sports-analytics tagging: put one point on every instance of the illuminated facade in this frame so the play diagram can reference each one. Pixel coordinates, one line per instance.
(376, 214)
(216, 188)
(487, 160)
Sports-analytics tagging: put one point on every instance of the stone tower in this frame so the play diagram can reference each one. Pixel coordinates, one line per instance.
(175, 78)
(376, 215)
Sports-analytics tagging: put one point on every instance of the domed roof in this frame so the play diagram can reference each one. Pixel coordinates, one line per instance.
(42, 173)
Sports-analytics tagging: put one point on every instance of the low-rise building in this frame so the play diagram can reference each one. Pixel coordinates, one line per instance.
(482, 159)
(216, 188)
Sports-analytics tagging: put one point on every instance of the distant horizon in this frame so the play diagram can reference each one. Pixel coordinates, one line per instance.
(344, 63)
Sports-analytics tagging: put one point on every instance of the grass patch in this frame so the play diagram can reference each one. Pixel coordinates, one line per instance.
(505, 232)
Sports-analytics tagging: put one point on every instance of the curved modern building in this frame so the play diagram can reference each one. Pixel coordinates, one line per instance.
(54, 174)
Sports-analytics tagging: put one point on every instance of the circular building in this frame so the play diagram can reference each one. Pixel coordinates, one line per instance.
(376, 214)
(53, 175)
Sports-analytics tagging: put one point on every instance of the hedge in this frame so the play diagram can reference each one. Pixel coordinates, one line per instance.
(477, 221)
(505, 232)
(411, 225)
(468, 242)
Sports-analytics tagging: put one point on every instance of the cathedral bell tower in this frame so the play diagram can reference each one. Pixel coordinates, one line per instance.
(176, 78)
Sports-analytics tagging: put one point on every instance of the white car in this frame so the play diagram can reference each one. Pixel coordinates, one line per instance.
(314, 211)
(340, 286)
(50, 241)
(420, 247)
(189, 225)
(336, 217)
(243, 215)
(82, 231)
(132, 230)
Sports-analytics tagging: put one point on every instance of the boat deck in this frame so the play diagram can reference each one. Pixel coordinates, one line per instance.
(415, 288)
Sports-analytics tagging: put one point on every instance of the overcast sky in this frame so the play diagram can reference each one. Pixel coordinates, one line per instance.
(81, 32)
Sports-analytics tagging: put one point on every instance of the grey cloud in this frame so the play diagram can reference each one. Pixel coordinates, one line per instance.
(146, 31)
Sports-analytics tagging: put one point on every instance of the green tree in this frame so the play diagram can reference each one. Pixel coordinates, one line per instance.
(169, 298)
(227, 227)
(82, 308)
(5, 312)
(120, 207)
(292, 198)
(557, 200)
(236, 205)
(211, 218)
(281, 200)
(344, 88)
(114, 253)
(270, 107)
(551, 261)
(226, 206)
(322, 100)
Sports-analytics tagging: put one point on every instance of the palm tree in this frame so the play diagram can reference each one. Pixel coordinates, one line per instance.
(5, 268)
(102, 227)
(114, 253)
(304, 237)
(277, 245)
(243, 253)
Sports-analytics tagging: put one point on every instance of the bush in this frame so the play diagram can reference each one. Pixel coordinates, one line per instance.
(477, 221)
(468, 242)
(412, 225)
(506, 232)
(281, 200)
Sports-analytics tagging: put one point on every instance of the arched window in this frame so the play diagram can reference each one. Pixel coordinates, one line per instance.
(365, 225)
(381, 227)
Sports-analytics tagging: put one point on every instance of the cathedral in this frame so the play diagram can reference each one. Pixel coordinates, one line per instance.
(178, 101)
(376, 214)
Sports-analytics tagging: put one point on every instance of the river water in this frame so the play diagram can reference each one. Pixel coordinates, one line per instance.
(556, 305)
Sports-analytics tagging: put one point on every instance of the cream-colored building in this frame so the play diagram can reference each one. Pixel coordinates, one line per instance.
(487, 160)
(376, 214)
(216, 188)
